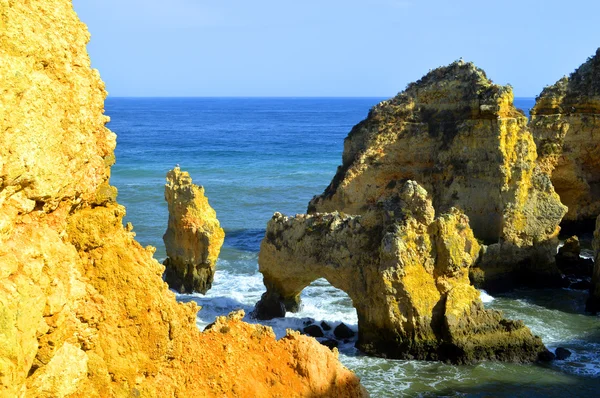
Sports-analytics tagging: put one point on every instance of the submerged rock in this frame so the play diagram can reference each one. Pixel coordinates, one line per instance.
(313, 331)
(547, 356)
(562, 353)
(194, 236)
(330, 343)
(406, 273)
(564, 121)
(342, 331)
(83, 308)
(459, 136)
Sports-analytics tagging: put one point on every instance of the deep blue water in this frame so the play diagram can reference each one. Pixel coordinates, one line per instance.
(256, 156)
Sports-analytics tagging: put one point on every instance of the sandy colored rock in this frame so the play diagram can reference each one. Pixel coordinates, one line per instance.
(83, 309)
(194, 236)
(406, 272)
(564, 122)
(460, 137)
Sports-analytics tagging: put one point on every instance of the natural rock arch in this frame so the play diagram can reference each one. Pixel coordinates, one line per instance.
(406, 273)
(460, 137)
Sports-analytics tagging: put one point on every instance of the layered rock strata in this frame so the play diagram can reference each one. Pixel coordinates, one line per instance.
(406, 272)
(83, 309)
(194, 235)
(564, 122)
(460, 137)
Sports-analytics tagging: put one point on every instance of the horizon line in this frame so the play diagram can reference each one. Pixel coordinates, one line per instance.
(258, 97)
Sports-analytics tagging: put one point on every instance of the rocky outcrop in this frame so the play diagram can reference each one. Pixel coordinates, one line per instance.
(194, 236)
(593, 302)
(564, 120)
(406, 272)
(83, 309)
(460, 137)
(570, 262)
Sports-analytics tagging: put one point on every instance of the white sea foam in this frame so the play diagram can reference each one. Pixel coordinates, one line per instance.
(239, 285)
(485, 297)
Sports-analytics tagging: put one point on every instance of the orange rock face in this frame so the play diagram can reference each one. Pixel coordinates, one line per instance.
(564, 122)
(83, 309)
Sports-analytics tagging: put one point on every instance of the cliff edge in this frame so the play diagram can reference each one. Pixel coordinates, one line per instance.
(83, 309)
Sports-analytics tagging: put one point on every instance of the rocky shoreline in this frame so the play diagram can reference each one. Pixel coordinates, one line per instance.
(459, 135)
(442, 189)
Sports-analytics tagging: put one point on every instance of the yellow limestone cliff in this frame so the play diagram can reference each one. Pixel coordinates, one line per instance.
(83, 309)
(460, 137)
(194, 236)
(565, 121)
(407, 274)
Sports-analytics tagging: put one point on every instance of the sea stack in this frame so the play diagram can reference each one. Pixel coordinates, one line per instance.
(407, 273)
(459, 136)
(194, 236)
(83, 309)
(565, 123)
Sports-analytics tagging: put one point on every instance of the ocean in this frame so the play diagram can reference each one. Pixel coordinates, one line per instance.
(256, 156)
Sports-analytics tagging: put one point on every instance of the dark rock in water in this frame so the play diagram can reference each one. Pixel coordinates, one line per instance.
(571, 247)
(313, 330)
(569, 262)
(575, 265)
(330, 343)
(308, 322)
(584, 284)
(562, 353)
(325, 326)
(343, 332)
(268, 307)
(546, 356)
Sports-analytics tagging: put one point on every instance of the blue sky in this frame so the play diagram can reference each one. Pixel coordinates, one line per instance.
(330, 47)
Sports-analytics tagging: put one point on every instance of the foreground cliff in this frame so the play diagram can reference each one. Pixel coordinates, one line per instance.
(194, 236)
(565, 121)
(83, 309)
(407, 274)
(460, 137)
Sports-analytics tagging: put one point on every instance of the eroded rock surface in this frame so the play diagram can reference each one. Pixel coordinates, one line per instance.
(83, 309)
(565, 123)
(460, 137)
(593, 302)
(194, 236)
(406, 272)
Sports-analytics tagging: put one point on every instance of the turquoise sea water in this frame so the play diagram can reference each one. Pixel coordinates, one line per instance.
(255, 156)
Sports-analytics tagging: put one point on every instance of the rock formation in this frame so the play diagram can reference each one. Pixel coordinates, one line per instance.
(564, 121)
(406, 272)
(570, 262)
(194, 236)
(83, 309)
(593, 302)
(460, 137)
